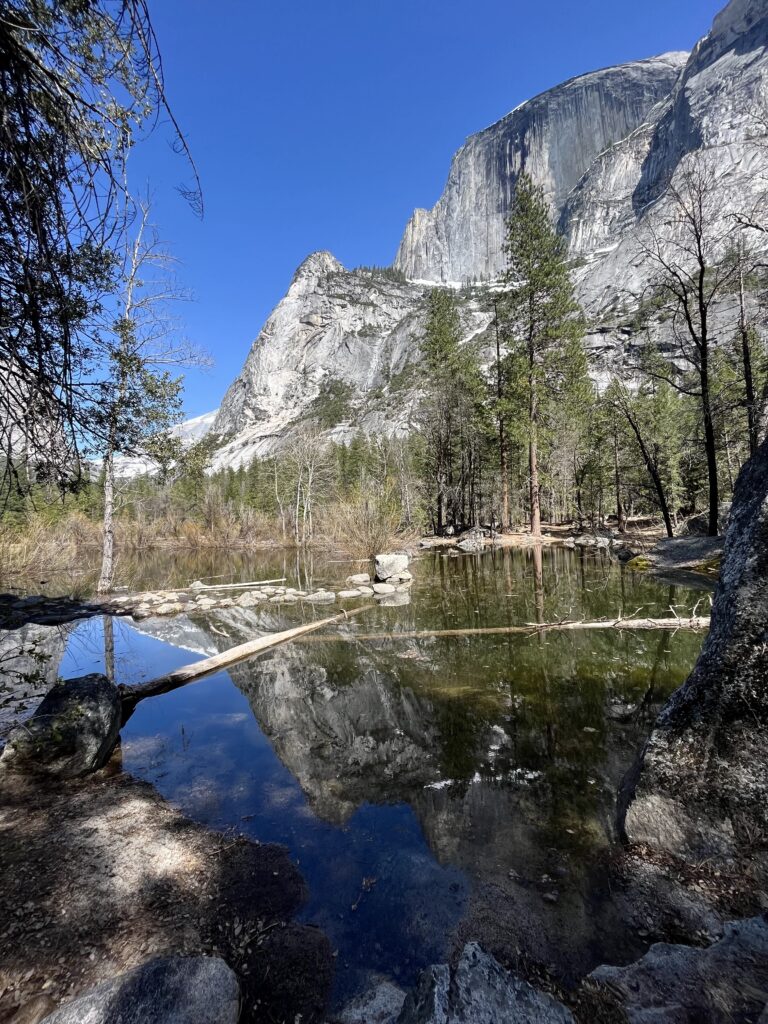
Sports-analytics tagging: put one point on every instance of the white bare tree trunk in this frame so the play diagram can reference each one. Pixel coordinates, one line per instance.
(108, 544)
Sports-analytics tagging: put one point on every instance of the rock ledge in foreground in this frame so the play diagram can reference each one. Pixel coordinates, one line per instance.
(479, 991)
(168, 990)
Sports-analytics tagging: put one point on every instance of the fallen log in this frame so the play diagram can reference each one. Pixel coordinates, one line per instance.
(696, 623)
(131, 695)
(234, 586)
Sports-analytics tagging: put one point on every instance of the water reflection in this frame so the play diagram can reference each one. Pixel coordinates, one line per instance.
(432, 789)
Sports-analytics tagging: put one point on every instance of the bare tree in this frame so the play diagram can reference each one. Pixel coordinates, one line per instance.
(692, 275)
(142, 399)
(307, 456)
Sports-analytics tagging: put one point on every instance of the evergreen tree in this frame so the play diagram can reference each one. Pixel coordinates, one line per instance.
(542, 323)
(452, 413)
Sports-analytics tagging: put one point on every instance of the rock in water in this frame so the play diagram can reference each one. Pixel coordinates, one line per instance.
(480, 992)
(168, 990)
(72, 732)
(699, 789)
(390, 565)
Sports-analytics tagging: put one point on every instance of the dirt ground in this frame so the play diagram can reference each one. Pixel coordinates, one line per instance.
(100, 875)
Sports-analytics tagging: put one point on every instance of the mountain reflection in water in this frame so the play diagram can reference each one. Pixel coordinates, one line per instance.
(431, 790)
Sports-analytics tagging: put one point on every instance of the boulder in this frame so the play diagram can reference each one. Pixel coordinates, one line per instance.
(592, 540)
(384, 588)
(359, 579)
(73, 731)
(472, 545)
(699, 788)
(390, 565)
(347, 595)
(479, 991)
(380, 1004)
(167, 990)
(169, 608)
(675, 983)
(321, 597)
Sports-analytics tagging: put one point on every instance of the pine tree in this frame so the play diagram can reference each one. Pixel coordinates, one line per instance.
(542, 322)
(452, 414)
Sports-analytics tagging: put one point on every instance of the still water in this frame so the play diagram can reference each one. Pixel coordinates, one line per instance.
(431, 789)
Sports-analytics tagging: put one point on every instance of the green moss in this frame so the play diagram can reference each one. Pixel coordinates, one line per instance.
(710, 567)
(640, 563)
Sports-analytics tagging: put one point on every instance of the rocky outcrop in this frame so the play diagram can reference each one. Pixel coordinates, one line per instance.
(72, 732)
(713, 116)
(168, 990)
(479, 991)
(556, 138)
(673, 983)
(700, 787)
(336, 337)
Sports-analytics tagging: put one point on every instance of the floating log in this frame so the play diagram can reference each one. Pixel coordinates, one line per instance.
(696, 624)
(131, 695)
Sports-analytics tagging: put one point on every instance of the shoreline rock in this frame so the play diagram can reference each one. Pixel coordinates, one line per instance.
(699, 788)
(166, 990)
(72, 732)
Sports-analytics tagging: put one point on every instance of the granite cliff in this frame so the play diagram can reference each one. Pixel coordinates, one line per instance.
(605, 147)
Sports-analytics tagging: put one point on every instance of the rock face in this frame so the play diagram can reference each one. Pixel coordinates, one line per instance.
(672, 983)
(168, 990)
(556, 138)
(336, 335)
(700, 786)
(72, 732)
(479, 991)
(340, 349)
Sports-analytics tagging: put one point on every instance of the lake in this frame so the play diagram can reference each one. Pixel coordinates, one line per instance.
(431, 789)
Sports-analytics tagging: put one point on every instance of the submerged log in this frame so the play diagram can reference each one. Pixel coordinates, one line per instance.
(131, 695)
(696, 623)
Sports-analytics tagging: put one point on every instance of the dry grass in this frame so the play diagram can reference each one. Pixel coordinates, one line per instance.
(41, 546)
(364, 525)
(361, 525)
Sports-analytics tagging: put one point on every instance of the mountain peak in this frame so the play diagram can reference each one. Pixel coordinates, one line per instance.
(317, 264)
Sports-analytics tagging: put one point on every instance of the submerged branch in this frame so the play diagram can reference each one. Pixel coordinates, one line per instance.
(696, 623)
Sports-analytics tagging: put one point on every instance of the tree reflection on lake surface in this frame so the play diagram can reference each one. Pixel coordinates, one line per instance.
(431, 789)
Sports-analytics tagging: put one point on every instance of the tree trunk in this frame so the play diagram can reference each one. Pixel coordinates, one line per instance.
(746, 361)
(710, 445)
(621, 522)
(503, 468)
(653, 472)
(108, 543)
(533, 456)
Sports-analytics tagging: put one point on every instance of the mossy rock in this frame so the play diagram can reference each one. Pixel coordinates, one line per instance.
(72, 732)
(640, 563)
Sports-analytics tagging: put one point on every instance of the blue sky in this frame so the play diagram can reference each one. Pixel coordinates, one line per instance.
(321, 124)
